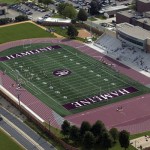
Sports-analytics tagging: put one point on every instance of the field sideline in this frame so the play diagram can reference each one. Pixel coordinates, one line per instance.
(88, 77)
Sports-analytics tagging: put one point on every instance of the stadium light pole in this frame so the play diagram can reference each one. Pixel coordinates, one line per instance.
(89, 7)
(18, 97)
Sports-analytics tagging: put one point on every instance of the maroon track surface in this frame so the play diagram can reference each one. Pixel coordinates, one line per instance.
(135, 116)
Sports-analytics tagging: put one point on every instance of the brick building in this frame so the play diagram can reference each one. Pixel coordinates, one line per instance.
(143, 6)
(134, 36)
(140, 17)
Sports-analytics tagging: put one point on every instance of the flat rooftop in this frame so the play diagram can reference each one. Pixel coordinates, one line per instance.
(144, 20)
(127, 13)
(144, 1)
(133, 31)
(115, 8)
(147, 12)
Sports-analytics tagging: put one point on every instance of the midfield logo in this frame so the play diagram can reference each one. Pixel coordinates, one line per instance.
(61, 72)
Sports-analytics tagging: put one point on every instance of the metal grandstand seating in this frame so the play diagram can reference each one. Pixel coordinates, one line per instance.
(108, 42)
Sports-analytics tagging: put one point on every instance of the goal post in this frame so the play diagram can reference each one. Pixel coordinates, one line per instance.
(27, 44)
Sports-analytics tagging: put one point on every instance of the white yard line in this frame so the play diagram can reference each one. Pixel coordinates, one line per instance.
(101, 67)
(35, 86)
(25, 84)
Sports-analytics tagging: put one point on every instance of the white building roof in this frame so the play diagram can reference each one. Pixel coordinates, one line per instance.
(58, 20)
(133, 31)
(115, 8)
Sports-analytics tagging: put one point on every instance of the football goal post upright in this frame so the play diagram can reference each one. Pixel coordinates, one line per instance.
(27, 44)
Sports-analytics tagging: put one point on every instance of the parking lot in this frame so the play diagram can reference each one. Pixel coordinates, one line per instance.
(33, 12)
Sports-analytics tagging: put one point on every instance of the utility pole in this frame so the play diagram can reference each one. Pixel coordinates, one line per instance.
(89, 7)
(49, 124)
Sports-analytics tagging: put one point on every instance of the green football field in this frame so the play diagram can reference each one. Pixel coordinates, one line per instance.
(88, 77)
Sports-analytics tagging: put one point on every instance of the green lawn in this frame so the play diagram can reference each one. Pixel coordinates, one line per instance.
(134, 136)
(57, 16)
(22, 31)
(92, 19)
(7, 143)
(63, 32)
(101, 17)
(9, 1)
(88, 77)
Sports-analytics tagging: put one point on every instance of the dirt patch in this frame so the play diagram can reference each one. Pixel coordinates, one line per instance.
(84, 33)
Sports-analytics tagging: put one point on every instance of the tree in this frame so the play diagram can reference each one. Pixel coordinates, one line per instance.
(21, 18)
(65, 128)
(74, 134)
(40, 1)
(69, 12)
(61, 7)
(106, 142)
(46, 2)
(94, 7)
(98, 128)
(72, 32)
(73, 21)
(82, 15)
(85, 126)
(114, 133)
(124, 139)
(88, 140)
(5, 20)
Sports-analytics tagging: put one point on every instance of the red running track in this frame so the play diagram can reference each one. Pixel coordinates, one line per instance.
(135, 116)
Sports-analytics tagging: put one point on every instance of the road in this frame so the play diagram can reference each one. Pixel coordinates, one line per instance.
(14, 134)
(22, 133)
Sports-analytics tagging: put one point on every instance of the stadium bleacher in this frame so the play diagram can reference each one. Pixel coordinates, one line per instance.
(122, 52)
(108, 42)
